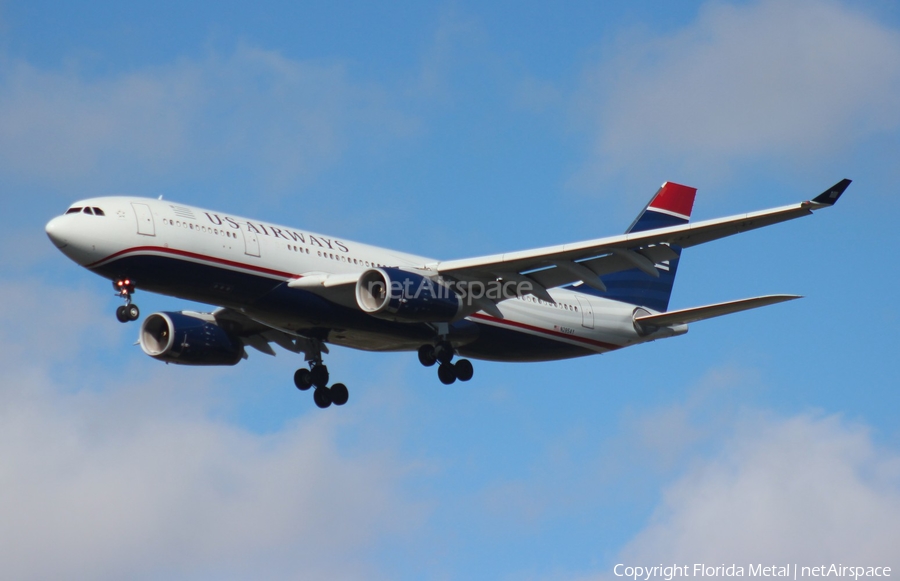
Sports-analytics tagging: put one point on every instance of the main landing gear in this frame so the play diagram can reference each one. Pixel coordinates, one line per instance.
(128, 312)
(443, 353)
(317, 376)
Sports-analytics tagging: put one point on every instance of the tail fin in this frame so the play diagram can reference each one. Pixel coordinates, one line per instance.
(671, 206)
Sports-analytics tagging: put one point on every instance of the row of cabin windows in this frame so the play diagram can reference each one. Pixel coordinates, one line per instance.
(534, 299)
(347, 259)
(205, 229)
(93, 211)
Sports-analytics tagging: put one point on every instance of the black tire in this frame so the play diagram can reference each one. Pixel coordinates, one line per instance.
(133, 312)
(339, 394)
(427, 356)
(319, 376)
(122, 314)
(464, 370)
(444, 353)
(302, 379)
(446, 373)
(322, 397)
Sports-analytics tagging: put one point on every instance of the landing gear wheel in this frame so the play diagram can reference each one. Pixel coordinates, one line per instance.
(122, 314)
(339, 394)
(319, 376)
(322, 397)
(444, 353)
(464, 370)
(427, 356)
(446, 373)
(303, 379)
(133, 312)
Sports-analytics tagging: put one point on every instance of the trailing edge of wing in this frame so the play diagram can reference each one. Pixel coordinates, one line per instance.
(259, 335)
(685, 316)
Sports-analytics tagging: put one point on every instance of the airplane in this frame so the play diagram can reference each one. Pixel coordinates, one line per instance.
(302, 291)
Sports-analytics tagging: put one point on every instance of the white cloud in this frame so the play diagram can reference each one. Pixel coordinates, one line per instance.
(253, 111)
(761, 80)
(112, 479)
(806, 490)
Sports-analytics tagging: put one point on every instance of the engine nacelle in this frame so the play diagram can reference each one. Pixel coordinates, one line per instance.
(188, 339)
(398, 295)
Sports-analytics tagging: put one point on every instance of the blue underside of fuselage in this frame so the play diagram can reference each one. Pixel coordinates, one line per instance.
(315, 316)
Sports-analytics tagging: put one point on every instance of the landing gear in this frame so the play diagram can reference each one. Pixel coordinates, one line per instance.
(339, 394)
(322, 397)
(317, 376)
(128, 312)
(427, 356)
(303, 379)
(448, 372)
(464, 370)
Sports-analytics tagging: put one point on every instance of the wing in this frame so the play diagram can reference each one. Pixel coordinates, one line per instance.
(588, 261)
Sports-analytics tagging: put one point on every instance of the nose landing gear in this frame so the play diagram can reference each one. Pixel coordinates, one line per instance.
(128, 312)
(443, 353)
(317, 376)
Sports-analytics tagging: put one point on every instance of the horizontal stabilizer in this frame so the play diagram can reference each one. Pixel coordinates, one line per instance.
(709, 311)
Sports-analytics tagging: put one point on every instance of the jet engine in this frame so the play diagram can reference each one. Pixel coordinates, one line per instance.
(189, 338)
(408, 297)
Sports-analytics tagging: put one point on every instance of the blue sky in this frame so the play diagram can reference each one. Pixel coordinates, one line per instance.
(452, 130)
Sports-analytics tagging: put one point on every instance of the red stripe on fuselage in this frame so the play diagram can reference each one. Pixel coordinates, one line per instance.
(194, 255)
(609, 346)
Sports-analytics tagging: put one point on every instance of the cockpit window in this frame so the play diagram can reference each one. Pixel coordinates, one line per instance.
(92, 210)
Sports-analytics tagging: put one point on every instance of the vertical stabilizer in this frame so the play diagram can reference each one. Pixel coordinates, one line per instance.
(671, 206)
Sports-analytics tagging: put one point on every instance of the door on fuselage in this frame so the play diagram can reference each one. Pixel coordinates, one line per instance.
(144, 217)
(251, 243)
(587, 311)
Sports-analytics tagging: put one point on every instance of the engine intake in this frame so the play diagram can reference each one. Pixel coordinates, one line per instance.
(188, 339)
(399, 295)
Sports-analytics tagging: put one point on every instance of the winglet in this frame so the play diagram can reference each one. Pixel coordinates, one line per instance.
(831, 195)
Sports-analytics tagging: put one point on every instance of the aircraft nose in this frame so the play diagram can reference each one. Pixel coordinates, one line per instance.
(54, 229)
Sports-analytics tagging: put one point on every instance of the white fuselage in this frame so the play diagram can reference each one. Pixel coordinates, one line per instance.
(230, 261)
